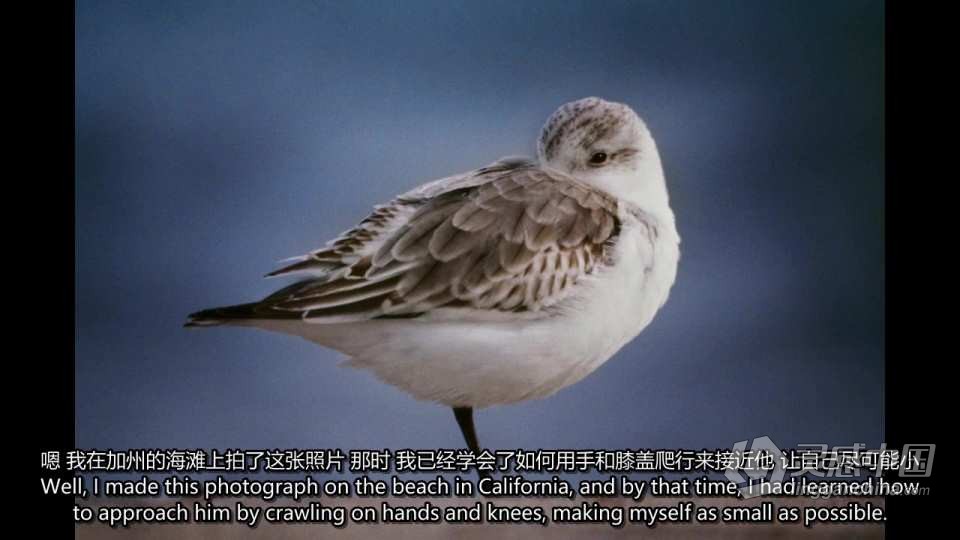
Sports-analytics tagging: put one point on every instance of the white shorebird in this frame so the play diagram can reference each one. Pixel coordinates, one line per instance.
(499, 285)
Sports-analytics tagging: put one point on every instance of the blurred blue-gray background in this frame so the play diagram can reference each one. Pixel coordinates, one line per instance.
(215, 138)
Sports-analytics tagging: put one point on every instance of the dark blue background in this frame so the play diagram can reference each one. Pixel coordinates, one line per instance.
(215, 138)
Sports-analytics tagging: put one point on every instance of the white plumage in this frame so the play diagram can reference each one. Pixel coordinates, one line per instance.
(499, 285)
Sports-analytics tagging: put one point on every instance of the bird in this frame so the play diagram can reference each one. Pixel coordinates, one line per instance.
(499, 285)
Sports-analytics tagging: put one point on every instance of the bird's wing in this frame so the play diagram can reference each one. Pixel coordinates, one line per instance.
(332, 260)
(509, 237)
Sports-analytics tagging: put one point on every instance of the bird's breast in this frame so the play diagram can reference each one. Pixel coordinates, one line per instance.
(624, 297)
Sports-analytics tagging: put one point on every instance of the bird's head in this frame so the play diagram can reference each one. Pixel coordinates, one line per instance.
(606, 145)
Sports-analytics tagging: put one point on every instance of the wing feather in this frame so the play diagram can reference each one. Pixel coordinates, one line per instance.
(511, 236)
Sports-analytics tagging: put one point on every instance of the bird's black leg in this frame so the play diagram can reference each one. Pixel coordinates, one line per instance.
(464, 416)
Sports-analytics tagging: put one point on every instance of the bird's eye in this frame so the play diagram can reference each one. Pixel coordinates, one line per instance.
(598, 158)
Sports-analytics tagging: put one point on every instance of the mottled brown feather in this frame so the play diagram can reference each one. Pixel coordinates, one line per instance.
(510, 237)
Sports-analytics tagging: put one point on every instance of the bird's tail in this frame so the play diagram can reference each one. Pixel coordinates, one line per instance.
(223, 315)
(244, 313)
